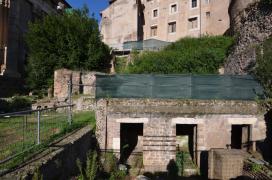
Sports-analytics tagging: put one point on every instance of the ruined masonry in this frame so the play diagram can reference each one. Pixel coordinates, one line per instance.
(138, 116)
(212, 122)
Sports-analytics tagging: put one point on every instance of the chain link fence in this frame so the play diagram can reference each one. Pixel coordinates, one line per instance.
(23, 131)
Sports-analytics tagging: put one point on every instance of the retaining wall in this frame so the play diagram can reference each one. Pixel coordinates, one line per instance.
(59, 161)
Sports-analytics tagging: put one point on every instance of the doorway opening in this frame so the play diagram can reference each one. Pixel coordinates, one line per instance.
(186, 139)
(131, 141)
(240, 137)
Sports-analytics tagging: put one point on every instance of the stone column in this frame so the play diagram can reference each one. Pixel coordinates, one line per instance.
(101, 123)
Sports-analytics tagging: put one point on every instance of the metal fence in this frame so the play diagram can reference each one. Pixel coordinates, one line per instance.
(23, 131)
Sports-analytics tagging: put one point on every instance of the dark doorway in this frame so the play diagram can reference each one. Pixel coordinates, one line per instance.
(130, 135)
(186, 139)
(240, 137)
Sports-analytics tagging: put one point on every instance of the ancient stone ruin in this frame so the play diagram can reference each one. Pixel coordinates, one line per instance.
(156, 129)
(151, 127)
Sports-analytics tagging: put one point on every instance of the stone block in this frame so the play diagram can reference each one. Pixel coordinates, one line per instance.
(225, 164)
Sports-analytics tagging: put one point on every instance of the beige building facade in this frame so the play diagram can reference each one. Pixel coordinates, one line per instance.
(164, 20)
(121, 22)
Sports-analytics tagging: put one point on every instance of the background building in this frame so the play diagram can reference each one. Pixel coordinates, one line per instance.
(15, 16)
(167, 20)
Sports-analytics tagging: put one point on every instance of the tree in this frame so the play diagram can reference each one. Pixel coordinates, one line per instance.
(69, 40)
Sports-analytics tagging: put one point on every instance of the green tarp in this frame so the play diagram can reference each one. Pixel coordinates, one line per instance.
(206, 87)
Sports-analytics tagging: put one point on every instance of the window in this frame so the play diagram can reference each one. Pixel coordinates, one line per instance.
(155, 13)
(193, 23)
(154, 31)
(208, 14)
(207, 1)
(173, 8)
(194, 3)
(172, 27)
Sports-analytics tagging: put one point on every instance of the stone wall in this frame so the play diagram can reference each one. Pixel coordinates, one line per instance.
(82, 83)
(253, 26)
(59, 161)
(213, 120)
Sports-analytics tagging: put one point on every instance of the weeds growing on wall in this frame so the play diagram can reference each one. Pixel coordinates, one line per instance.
(264, 66)
(189, 55)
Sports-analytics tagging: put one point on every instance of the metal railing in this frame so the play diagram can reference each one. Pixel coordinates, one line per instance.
(22, 131)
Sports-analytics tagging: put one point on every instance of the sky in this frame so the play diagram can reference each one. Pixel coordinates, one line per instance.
(95, 6)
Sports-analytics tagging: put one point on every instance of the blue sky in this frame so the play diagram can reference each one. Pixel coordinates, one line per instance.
(95, 6)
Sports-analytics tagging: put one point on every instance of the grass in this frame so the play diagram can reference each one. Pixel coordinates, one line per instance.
(18, 135)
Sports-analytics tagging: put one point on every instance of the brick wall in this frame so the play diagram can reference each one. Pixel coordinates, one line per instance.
(82, 83)
(213, 120)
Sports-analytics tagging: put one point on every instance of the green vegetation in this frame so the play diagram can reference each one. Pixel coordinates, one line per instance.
(16, 103)
(70, 40)
(90, 173)
(264, 66)
(255, 167)
(267, 2)
(180, 162)
(103, 167)
(120, 64)
(19, 134)
(189, 55)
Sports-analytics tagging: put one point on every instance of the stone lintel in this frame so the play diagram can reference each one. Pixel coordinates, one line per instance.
(187, 121)
(242, 120)
(133, 120)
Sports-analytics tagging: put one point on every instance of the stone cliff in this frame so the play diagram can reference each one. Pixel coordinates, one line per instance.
(251, 26)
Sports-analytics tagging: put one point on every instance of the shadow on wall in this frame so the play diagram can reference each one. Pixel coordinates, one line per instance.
(171, 174)
(130, 140)
(204, 164)
(265, 147)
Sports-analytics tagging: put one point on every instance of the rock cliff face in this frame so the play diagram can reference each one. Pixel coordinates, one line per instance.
(252, 26)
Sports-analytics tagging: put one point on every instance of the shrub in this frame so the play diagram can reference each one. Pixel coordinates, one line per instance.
(109, 162)
(189, 55)
(264, 66)
(255, 168)
(16, 103)
(267, 2)
(92, 167)
(20, 103)
(118, 175)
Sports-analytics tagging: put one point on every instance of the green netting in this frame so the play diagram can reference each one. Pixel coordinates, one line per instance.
(204, 87)
(150, 44)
